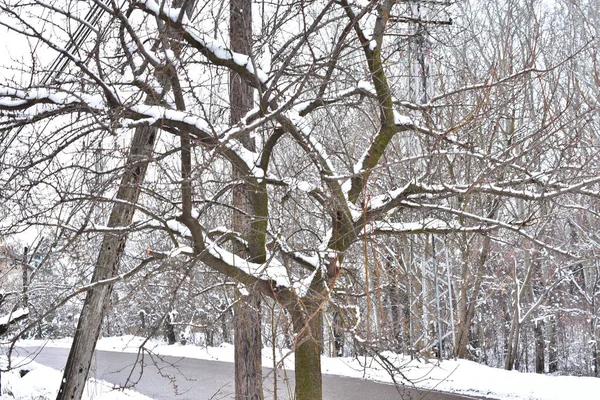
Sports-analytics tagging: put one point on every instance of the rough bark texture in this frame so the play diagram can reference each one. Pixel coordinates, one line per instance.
(309, 381)
(513, 344)
(246, 198)
(338, 334)
(248, 345)
(113, 244)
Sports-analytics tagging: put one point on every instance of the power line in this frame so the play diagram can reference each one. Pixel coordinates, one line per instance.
(59, 65)
(79, 37)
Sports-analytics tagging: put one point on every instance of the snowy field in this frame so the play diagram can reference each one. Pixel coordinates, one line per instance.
(460, 376)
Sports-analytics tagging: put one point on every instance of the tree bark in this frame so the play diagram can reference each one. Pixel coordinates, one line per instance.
(309, 339)
(338, 334)
(540, 345)
(513, 343)
(248, 348)
(170, 330)
(247, 328)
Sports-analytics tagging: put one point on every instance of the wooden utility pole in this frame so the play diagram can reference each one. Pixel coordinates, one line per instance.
(111, 250)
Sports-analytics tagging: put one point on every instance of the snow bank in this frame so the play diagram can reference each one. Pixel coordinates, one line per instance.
(42, 383)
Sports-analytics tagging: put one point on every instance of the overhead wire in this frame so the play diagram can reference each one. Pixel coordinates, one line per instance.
(60, 63)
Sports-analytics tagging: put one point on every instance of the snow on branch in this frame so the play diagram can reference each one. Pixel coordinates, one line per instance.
(428, 225)
(293, 123)
(14, 316)
(199, 129)
(14, 99)
(272, 270)
(311, 261)
(156, 113)
(214, 50)
(173, 13)
(302, 286)
(529, 194)
(363, 88)
(517, 228)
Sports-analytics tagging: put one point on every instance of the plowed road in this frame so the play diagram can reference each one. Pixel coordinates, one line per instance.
(172, 378)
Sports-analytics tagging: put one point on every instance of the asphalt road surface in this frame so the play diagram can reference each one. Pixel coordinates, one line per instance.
(172, 378)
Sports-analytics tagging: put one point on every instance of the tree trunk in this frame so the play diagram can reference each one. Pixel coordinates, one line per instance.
(468, 303)
(25, 268)
(338, 335)
(170, 330)
(462, 329)
(248, 346)
(309, 381)
(540, 346)
(513, 344)
(247, 328)
(552, 347)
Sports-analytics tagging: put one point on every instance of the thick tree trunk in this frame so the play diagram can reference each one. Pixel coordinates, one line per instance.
(309, 381)
(248, 346)
(113, 245)
(247, 328)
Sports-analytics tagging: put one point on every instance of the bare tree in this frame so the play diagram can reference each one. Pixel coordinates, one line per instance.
(333, 161)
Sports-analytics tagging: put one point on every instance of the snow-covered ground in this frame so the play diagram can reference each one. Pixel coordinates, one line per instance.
(42, 383)
(459, 376)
